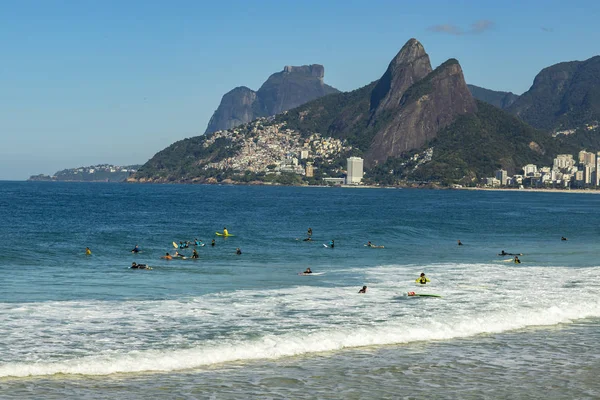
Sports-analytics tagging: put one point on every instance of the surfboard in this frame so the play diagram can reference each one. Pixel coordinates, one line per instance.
(413, 294)
(324, 245)
(313, 273)
(220, 234)
(175, 245)
(375, 247)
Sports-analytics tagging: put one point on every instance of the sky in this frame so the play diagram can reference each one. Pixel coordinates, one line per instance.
(85, 82)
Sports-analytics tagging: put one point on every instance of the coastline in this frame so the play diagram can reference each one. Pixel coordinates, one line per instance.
(432, 186)
(545, 190)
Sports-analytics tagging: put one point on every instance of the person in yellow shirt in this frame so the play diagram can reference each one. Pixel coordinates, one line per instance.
(422, 279)
(225, 232)
(88, 252)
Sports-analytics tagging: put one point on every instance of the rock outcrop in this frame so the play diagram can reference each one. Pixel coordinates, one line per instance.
(282, 91)
(237, 107)
(410, 65)
(426, 107)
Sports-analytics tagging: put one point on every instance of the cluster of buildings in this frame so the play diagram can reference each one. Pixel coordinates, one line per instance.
(587, 127)
(566, 171)
(99, 168)
(101, 172)
(272, 148)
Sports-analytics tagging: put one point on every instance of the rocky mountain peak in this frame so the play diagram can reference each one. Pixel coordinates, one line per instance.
(411, 51)
(282, 91)
(426, 107)
(409, 66)
(314, 70)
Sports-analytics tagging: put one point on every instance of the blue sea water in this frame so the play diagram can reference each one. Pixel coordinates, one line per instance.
(248, 326)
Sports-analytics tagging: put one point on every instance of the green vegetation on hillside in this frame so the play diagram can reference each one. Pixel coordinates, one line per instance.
(563, 96)
(186, 158)
(475, 146)
(498, 99)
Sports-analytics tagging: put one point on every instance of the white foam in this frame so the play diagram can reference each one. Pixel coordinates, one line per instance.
(99, 338)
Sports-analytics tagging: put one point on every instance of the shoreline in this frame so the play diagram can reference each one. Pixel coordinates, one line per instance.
(544, 190)
(430, 186)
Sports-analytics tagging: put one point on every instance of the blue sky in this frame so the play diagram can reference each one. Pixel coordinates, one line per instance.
(85, 82)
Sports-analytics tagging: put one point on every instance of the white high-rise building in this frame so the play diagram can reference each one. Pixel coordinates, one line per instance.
(597, 175)
(564, 161)
(530, 170)
(355, 170)
(502, 176)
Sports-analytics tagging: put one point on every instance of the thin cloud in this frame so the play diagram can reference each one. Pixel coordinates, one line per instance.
(476, 28)
(481, 26)
(546, 29)
(446, 28)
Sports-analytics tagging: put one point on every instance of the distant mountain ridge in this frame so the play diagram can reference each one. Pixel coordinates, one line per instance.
(415, 122)
(282, 91)
(400, 112)
(563, 96)
(499, 99)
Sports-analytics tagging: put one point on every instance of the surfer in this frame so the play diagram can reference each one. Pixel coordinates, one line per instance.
(503, 253)
(369, 244)
(308, 271)
(139, 266)
(422, 279)
(136, 249)
(212, 243)
(563, 238)
(238, 251)
(225, 232)
(198, 242)
(167, 257)
(363, 290)
(460, 243)
(332, 243)
(309, 232)
(517, 261)
(178, 255)
(88, 252)
(308, 239)
(195, 254)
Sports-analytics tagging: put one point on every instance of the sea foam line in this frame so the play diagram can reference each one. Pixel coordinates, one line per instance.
(272, 346)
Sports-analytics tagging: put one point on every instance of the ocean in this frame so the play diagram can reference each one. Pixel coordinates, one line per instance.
(229, 326)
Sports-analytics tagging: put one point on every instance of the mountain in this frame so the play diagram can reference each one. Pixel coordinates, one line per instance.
(414, 123)
(282, 91)
(474, 146)
(563, 96)
(401, 111)
(498, 99)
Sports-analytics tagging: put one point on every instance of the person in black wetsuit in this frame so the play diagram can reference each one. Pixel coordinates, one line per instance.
(363, 290)
(238, 251)
(308, 271)
(136, 249)
(213, 243)
(195, 254)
